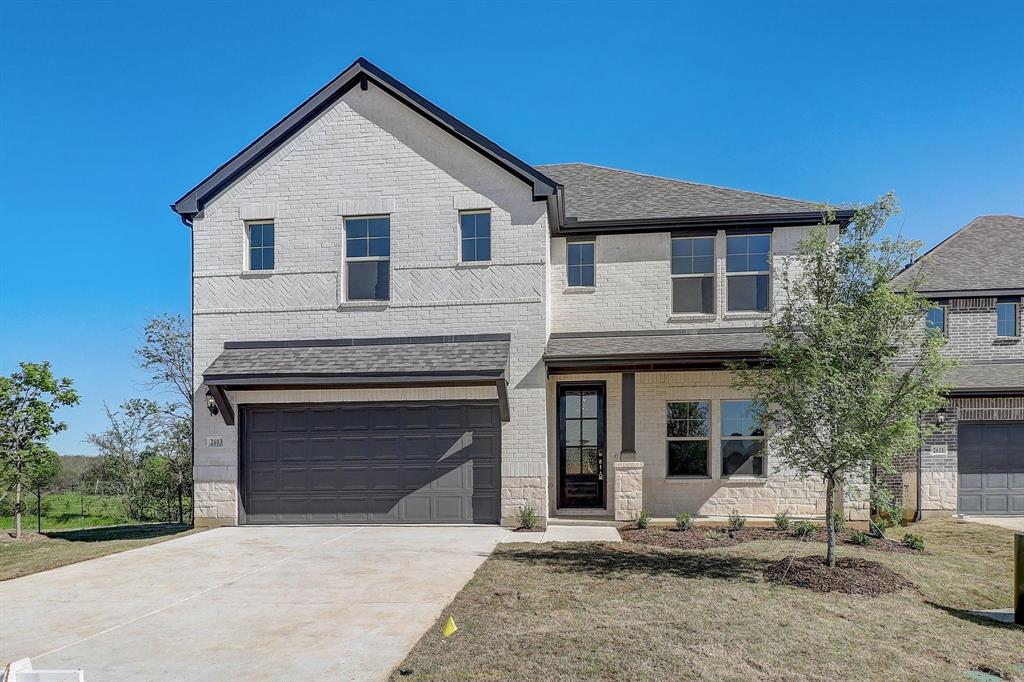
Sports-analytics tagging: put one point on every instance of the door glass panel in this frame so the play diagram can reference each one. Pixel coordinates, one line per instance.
(589, 463)
(572, 432)
(589, 432)
(589, 405)
(572, 405)
(572, 461)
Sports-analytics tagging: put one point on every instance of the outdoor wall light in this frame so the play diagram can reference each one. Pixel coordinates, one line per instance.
(211, 404)
(940, 416)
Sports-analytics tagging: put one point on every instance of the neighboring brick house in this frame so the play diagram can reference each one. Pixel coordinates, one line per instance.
(973, 461)
(396, 320)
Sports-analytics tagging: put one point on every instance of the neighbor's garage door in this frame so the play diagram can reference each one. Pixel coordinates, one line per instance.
(991, 463)
(371, 463)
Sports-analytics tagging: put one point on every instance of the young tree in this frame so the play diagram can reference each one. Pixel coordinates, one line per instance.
(834, 399)
(28, 400)
(132, 438)
(42, 473)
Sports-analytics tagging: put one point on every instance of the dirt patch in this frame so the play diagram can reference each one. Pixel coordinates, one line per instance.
(849, 576)
(709, 537)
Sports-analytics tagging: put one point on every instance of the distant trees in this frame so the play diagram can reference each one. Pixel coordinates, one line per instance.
(29, 399)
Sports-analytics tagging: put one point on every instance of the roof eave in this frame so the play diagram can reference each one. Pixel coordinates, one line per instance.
(683, 223)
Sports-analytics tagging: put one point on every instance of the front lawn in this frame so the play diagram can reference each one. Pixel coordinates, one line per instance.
(62, 511)
(593, 611)
(33, 553)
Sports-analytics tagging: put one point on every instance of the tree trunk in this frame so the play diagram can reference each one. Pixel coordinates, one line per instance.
(39, 511)
(830, 523)
(17, 509)
(181, 512)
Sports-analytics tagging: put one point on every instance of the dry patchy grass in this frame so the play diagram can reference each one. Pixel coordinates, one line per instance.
(592, 611)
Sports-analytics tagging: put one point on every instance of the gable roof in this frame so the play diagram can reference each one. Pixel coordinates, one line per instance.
(361, 73)
(985, 257)
(596, 195)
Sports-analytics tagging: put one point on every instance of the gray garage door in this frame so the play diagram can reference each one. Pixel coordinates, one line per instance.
(991, 462)
(371, 463)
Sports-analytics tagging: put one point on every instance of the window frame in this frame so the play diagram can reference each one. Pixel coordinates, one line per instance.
(462, 238)
(705, 439)
(723, 439)
(750, 273)
(945, 317)
(1015, 307)
(364, 259)
(569, 243)
(713, 275)
(249, 224)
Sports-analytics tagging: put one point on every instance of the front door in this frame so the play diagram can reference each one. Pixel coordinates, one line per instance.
(581, 445)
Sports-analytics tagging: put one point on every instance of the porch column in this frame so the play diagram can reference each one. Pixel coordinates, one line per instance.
(628, 417)
(629, 490)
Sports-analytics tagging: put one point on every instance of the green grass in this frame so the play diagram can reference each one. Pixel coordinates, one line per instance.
(65, 510)
(593, 611)
(34, 553)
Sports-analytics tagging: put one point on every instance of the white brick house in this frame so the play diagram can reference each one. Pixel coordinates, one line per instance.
(396, 320)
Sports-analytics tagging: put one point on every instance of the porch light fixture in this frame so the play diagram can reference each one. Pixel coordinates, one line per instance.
(940, 416)
(211, 404)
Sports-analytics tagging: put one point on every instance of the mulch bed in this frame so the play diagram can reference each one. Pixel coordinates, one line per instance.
(710, 537)
(849, 576)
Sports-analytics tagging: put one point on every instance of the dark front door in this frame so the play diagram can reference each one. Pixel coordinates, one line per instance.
(581, 445)
(407, 462)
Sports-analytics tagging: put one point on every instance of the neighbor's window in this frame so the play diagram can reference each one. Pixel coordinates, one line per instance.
(693, 274)
(747, 264)
(580, 263)
(261, 246)
(368, 258)
(476, 236)
(689, 433)
(742, 438)
(1006, 319)
(936, 318)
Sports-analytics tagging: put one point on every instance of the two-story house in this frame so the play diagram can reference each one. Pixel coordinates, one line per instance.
(973, 461)
(398, 321)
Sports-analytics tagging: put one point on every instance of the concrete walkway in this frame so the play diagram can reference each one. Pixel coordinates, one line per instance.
(567, 534)
(251, 603)
(1008, 522)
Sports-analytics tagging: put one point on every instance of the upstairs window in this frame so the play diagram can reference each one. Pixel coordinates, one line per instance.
(693, 274)
(936, 319)
(748, 268)
(689, 433)
(1007, 319)
(368, 258)
(580, 264)
(261, 246)
(476, 236)
(742, 438)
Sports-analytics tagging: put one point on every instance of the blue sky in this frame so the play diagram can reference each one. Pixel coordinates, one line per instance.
(112, 110)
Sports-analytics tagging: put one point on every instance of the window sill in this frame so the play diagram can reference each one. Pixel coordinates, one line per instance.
(474, 264)
(256, 273)
(692, 317)
(684, 479)
(579, 290)
(1007, 339)
(363, 304)
(747, 315)
(746, 480)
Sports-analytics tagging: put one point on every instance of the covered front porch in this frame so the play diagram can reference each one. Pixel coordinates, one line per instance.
(652, 421)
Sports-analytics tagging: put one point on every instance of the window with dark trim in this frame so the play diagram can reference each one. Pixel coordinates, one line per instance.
(693, 274)
(748, 272)
(368, 258)
(742, 438)
(475, 231)
(689, 438)
(261, 246)
(1007, 318)
(935, 319)
(580, 264)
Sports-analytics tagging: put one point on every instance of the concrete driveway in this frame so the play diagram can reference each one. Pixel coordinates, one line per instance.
(250, 603)
(1008, 522)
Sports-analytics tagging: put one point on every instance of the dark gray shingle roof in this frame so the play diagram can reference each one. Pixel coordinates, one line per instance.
(629, 345)
(999, 376)
(987, 254)
(598, 193)
(338, 358)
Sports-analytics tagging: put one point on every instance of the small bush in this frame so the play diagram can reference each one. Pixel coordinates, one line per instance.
(860, 538)
(527, 517)
(889, 511)
(684, 521)
(643, 519)
(839, 521)
(714, 534)
(782, 521)
(736, 522)
(913, 541)
(803, 529)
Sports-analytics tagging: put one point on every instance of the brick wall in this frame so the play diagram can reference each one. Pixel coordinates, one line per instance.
(369, 154)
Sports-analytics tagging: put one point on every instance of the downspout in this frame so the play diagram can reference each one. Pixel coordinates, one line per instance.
(920, 455)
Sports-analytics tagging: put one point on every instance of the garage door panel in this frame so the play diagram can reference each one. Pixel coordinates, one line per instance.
(354, 478)
(293, 449)
(448, 508)
(481, 417)
(446, 478)
(262, 421)
(991, 468)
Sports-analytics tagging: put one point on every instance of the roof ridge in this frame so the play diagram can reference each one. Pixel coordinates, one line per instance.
(682, 182)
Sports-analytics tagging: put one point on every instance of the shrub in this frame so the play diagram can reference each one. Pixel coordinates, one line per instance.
(527, 517)
(860, 538)
(782, 521)
(643, 519)
(838, 521)
(684, 521)
(913, 541)
(803, 529)
(889, 511)
(736, 521)
(714, 534)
